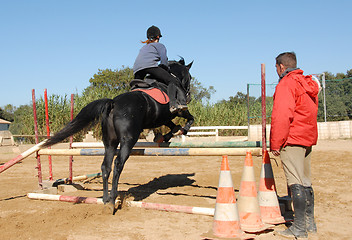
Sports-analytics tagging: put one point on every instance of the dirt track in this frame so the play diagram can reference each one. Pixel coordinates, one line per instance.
(190, 181)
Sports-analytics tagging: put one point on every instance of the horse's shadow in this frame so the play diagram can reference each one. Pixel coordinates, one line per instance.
(142, 191)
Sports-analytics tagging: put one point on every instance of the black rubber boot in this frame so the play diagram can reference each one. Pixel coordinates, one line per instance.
(298, 228)
(310, 222)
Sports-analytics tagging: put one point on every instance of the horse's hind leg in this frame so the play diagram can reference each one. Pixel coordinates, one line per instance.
(106, 170)
(126, 146)
(110, 144)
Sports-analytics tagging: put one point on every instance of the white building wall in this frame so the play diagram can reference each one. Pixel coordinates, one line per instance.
(326, 130)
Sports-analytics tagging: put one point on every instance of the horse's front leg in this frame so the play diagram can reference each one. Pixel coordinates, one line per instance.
(165, 138)
(170, 134)
(176, 129)
(190, 120)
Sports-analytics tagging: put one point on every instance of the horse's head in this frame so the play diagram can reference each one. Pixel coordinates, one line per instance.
(181, 71)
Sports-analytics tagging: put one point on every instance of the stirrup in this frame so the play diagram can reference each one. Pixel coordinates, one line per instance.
(173, 109)
(182, 107)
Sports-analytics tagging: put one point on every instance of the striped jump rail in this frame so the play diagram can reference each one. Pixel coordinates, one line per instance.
(156, 152)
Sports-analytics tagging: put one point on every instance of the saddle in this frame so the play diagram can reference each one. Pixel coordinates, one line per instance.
(154, 89)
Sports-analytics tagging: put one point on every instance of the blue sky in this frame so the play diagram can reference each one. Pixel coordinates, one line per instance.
(60, 45)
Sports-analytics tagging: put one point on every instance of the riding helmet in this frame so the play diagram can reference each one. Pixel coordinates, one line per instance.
(153, 32)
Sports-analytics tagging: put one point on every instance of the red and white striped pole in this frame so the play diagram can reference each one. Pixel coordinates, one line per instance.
(152, 206)
(71, 141)
(21, 156)
(39, 165)
(48, 132)
(264, 147)
(73, 199)
(172, 208)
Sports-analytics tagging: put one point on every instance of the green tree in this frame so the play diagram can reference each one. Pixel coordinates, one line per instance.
(338, 97)
(347, 96)
(199, 92)
(23, 121)
(239, 98)
(108, 83)
(8, 112)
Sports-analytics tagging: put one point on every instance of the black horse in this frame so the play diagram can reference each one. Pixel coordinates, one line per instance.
(122, 120)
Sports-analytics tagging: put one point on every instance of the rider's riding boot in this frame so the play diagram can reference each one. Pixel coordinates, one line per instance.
(311, 226)
(298, 228)
(181, 107)
(174, 90)
(171, 91)
(181, 98)
(177, 107)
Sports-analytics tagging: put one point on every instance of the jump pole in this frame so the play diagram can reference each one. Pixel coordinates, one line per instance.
(21, 156)
(264, 147)
(225, 144)
(39, 165)
(70, 146)
(77, 178)
(172, 208)
(48, 131)
(157, 152)
(61, 198)
(152, 206)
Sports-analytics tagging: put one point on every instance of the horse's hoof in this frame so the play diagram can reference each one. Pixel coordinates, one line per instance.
(179, 132)
(158, 138)
(109, 208)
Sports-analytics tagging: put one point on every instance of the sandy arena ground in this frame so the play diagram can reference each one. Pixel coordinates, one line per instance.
(190, 181)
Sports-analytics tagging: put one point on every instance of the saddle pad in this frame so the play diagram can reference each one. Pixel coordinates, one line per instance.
(155, 93)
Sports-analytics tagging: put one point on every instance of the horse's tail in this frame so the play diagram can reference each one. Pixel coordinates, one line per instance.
(87, 115)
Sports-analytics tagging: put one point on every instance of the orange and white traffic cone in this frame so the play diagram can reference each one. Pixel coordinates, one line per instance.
(226, 220)
(268, 201)
(248, 205)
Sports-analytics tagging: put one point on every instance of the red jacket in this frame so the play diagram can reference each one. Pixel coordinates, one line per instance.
(294, 115)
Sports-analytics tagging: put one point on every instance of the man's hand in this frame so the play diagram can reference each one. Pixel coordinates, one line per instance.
(275, 153)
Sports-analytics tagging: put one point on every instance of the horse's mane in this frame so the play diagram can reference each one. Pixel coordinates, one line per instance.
(180, 62)
(173, 62)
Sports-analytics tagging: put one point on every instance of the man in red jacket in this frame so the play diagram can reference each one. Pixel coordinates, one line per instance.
(293, 133)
